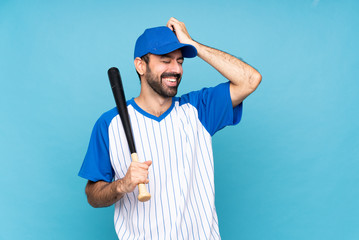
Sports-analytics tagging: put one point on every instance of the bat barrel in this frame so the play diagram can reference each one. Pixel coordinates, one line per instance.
(119, 94)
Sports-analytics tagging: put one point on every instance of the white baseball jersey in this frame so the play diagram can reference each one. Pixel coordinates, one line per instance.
(181, 177)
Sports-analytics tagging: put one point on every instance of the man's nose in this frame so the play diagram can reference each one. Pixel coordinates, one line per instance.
(175, 67)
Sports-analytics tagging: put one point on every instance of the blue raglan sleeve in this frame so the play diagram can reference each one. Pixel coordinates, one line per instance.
(97, 163)
(214, 106)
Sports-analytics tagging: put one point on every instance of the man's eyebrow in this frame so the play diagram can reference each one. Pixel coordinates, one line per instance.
(165, 56)
(168, 56)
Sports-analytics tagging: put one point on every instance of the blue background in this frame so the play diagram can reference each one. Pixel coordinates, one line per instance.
(288, 171)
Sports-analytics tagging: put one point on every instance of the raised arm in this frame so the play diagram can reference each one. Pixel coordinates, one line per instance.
(243, 78)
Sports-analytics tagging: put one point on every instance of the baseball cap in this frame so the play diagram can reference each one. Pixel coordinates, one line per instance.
(161, 40)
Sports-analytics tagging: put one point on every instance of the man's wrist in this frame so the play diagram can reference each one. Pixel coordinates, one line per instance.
(194, 44)
(118, 187)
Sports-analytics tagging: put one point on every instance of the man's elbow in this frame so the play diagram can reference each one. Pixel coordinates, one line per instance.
(92, 202)
(90, 197)
(254, 81)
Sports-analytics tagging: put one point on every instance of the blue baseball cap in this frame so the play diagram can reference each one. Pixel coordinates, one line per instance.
(161, 40)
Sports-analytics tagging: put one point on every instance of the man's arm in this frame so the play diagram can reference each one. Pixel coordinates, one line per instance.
(243, 78)
(104, 194)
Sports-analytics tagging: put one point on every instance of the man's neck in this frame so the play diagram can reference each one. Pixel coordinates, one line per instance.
(154, 105)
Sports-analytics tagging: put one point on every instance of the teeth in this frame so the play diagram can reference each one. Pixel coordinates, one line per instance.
(170, 79)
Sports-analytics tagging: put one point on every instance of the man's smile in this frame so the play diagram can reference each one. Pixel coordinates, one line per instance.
(171, 79)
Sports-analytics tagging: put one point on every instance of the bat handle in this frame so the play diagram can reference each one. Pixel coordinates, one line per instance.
(143, 195)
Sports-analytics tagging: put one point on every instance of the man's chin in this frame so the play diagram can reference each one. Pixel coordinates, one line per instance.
(172, 92)
(169, 91)
(169, 95)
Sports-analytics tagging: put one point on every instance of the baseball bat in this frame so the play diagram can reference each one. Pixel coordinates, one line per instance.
(119, 95)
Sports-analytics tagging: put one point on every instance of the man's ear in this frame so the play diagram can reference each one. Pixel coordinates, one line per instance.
(140, 65)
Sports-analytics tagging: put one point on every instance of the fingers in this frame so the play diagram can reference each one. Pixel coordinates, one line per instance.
(148, 163)
(180, 30)
(137, 173)
(171, 23)
(174, 24)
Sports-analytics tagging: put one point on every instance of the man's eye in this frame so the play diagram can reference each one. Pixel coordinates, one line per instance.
(166, 61)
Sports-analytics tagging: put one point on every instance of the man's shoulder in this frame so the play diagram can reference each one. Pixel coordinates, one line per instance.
(190, 97)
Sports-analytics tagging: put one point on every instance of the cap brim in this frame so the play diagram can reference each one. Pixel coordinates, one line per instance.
(188, 51)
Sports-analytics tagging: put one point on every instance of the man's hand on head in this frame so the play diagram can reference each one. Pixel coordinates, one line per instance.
(180, 30)
(243, 78)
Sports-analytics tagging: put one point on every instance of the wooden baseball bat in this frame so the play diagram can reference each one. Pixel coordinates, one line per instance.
(119, 95)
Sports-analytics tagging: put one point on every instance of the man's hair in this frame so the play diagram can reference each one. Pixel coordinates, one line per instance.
(146, 59)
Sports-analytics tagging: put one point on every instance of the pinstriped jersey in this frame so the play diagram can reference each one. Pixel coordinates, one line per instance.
(181, 177)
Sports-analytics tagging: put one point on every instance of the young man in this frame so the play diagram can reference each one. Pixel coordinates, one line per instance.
(174, 133)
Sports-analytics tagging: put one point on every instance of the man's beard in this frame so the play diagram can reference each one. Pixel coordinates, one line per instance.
(158, 87)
